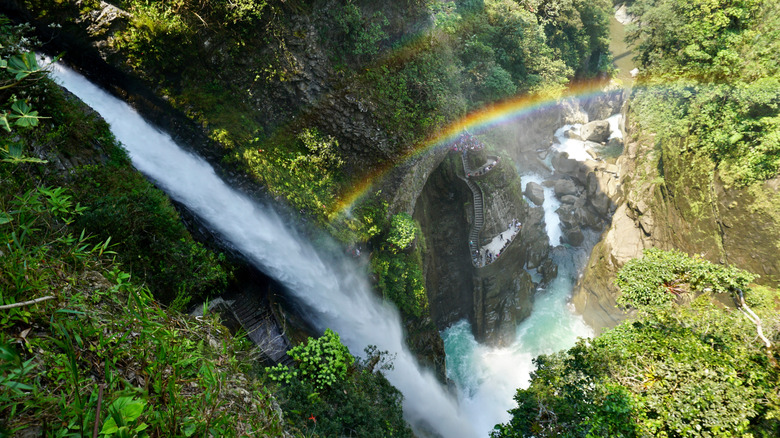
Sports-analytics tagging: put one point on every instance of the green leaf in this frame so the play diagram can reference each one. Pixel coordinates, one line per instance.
(189, 427)
(109, 427)
(23, 114)
(4, 122)
(23, 65)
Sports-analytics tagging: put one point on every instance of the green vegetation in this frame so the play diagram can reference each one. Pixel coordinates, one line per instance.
(659, 276)
(396, 259)
(322, 362)
(700, 358)
(397, 266)
(689, 52)
(678, 370)
(475, 53)
(401, 281)
(330, 393)
(403, 230)
(86, 348)
(306, 175)
(98, 351)
(120, 204)
(19, 70)
(701, 38)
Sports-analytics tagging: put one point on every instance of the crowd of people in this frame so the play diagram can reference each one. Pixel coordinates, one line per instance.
(484, 169)
(491, 251)
(467, 142)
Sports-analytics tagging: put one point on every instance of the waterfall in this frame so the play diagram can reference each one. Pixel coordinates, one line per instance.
(331, 289)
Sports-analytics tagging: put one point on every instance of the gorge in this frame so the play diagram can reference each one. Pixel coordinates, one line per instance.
(475, 246)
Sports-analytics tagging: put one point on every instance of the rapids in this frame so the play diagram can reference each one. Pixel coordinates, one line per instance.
(487, 377)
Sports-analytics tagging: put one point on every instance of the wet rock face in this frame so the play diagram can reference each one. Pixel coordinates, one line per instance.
(536, 245)
(564, 187)
(503, 296)
(496, 297)
(105, 21)
(691, 211)
(442, 210)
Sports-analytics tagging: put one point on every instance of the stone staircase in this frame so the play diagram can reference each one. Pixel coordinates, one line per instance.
(262, 328)
(479, 215)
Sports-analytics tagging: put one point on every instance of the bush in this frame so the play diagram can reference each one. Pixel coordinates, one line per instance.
(403, 230)
(330, 393)
(150, 237)
(655, 279)
(682, 371)
(320, 362)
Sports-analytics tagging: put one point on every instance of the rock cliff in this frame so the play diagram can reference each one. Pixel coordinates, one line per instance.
(671, 199)
(497, 296)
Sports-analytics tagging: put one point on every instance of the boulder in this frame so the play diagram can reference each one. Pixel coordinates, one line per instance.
(573, 236)
(549, 270)
(568, 199)
(572, 134)
(563, 164)
(565, 187)
(601, 203)
(535, 193)
(597, 131)
(535, 243)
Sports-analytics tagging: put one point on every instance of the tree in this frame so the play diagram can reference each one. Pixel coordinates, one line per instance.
(331, 393)
(321, 362)
(693, 38)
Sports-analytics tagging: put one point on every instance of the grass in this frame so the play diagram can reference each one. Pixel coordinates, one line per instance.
(103, 353)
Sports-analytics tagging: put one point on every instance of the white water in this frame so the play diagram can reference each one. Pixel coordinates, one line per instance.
(576, 148)
(487, 377)
(332, 290)
(550, 205)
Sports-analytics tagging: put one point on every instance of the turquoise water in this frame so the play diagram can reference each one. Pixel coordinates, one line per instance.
(487, 378)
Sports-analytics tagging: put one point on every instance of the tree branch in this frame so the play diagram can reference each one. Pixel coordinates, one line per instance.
(25, 303)
(753, 318)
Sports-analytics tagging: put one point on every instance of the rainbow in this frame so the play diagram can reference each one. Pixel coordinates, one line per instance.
(475, 122)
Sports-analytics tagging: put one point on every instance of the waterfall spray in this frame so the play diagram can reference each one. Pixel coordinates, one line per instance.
(331, 290)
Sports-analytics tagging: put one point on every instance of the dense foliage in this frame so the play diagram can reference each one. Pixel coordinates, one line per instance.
(98, 351)
(19, 71)
(693, 362)
(711, 76)
(69, 363)
(411, 66)
(120, 203)
(699, 38)
(659, 276)
(396, 265)
(328, 392)
(85, 350)
(692, 370)
(414, 75)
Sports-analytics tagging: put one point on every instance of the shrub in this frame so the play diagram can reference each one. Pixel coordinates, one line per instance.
(656, 278)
